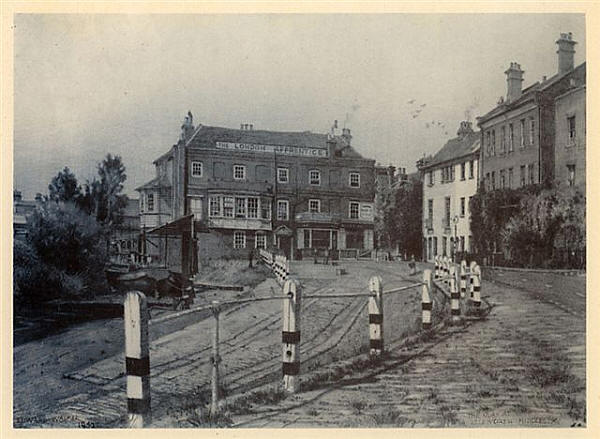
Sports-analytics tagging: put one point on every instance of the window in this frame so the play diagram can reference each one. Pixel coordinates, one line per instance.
(252, 207)
(435, 246)
(265, 209)
(571, 175)
(196, 169)
(523, 177)
(470, 198)
(431, 178)
(503, 141)
(522, 141)
(314, 177)
(447, 216)
(214, 206)
(462, 243)
(531, 174)
(502, 179)
(511, 137)
(320, 239)
(354, 209)
(430, 214)
(489, 143)
(196, 207)
(260, 240)
(150, 202)
(462, 206)
(228, 207)
(471, 169)
(493, 180)
(493, 142)
(283, 207)
(239, 239)
(314, 206)
(240, 207)
(510, 178)
(283, 175)
(571, 125)
(239, 172)
(142, 202)
(354, 179)
(488, 183)
(463, 167)
(531, 130)
(444, 246)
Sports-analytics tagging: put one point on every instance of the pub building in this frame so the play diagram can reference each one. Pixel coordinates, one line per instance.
(222, 192)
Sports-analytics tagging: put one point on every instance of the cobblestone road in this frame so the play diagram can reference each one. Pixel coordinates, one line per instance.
(524, 366)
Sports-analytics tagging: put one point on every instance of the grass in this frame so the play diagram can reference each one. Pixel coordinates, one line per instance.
(358, 405)
(244, 404)
(203, 419)
(389, 417)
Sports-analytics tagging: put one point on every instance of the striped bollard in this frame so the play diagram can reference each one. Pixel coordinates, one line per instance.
(477, 286)
(376, 316)
(290, 335)
(137, 360)
(438, 268)
(471, 277)
(435, 267)
(446, 270)
(463, 279)
(287, 269)
(426, 304)
(454, 296)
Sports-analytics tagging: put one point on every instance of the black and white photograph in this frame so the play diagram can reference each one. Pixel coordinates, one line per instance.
(298, 220)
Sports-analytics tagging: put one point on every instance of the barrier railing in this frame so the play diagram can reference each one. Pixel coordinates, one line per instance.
(279, 265)
(137, 361)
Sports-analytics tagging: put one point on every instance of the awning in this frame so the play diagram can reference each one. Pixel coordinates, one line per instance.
(178, 227)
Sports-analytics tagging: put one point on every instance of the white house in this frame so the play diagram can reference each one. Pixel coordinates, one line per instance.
(449, 181)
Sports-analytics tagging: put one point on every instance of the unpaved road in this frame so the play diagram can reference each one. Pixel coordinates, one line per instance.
(76, 378)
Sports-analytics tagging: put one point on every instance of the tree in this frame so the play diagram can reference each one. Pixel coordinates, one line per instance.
(112, 176)
(64, 187)
(406, 218)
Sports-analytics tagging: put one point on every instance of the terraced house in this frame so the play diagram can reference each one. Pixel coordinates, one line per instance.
(449, 181)
(519, 134)
(227, 191)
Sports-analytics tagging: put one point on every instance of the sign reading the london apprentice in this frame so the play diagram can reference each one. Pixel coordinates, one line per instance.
(300, 151)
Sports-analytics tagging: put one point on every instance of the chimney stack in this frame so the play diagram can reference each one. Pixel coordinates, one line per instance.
(566, 53)
(346, 135)
(464, 129)
(514, 78)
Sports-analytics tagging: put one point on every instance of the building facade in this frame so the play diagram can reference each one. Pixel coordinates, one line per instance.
(449, 181)
(570, 128)
(248, 189)
(518, 135)
(22, 209)
(125, 237)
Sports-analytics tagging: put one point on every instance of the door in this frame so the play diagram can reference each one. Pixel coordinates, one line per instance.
(285, 243)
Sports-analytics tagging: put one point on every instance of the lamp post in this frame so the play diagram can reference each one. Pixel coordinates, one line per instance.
(455, 221)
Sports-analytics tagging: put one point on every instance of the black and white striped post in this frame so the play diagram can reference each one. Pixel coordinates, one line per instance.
(137, 360)
(435, 267)
(287, 269)
(476, 286)
(426, 303)
(290, 335)
(376, 316)
(446, 270)
(454, 296)
(463, 278)
(214, 406)
(471, 277)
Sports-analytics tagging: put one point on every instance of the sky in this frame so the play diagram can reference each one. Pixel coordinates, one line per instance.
(88, 85)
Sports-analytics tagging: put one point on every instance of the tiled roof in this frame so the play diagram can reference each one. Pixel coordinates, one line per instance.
(155, 183)
(206, 136)
(456, 148)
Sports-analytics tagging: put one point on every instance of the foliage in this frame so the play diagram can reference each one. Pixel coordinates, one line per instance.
(64, 187)
(528, 225)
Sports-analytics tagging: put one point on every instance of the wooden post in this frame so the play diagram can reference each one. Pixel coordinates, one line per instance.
(290, 335)
(426, 304)
(471, 277)
(454, 296)
(214, 406)
(463, 278)
(137, 360)
(477, 286)
(376, 316)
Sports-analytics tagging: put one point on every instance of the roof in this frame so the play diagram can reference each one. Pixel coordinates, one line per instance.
(456, 148)
(155, 183)
(529, 92)
(207, 136)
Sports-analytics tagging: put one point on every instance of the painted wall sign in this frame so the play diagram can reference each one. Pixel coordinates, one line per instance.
(277, 149)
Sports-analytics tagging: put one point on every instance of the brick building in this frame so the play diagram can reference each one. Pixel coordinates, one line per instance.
(569, 167)
(449, 181)
(518, 135)
(225, 191)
